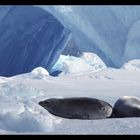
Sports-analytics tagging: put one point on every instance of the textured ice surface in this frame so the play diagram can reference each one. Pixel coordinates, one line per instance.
(112, 32)
(21, 113)
(133, 65)
(39, 73)
(29, 37)
(70, 64)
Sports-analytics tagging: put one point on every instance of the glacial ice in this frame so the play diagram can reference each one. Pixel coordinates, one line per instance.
(39, 73)
(29, 37)
(112, 32)
(87, 62)
(35, 36)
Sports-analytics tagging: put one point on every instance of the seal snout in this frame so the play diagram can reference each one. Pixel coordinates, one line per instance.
(41, 103)
(46, 104)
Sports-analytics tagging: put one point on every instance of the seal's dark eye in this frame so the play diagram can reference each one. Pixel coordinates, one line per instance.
(47, 102)
(40, 103)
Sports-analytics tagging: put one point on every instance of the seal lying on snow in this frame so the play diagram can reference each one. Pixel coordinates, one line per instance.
(127, 106)
(78, 108)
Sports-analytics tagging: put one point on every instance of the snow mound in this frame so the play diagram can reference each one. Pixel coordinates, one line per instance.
(20, 90)
(93, 60)
(87, 62)
(133, 65)
(39, 73)
(19, 113)
(75, 66)
(22, 116)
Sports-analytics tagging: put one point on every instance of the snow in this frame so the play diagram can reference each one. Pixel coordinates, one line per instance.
(70, 64)
(39, 73)
(94, 60)
(28, 44)
(133, 65)
(20, 112)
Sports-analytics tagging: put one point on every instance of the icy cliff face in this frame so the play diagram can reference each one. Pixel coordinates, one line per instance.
(112, 32)
(30, 37)
(35, 36)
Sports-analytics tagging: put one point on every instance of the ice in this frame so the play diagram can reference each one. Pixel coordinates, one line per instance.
(81, 44)
(39, 73)
(133, 65)
(93, 60)
(29, 41)
(109, 31)
(70, 64)
(132, 49)
(20, 112)
(29, 37)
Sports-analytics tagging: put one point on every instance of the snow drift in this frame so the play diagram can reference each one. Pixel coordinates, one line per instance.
(20, 112)
(39, 73)
(70, 64)
(133, 65)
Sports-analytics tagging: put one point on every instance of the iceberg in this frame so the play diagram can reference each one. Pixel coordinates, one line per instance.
(112, 32)
(36, 36)
(30, 37)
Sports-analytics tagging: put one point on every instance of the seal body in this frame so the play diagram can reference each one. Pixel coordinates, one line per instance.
(127, 106)
(78, 108)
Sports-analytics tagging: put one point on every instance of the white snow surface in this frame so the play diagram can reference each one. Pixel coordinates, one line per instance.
(20, 112)
(87, 62)
(39, 73)
(133, 65)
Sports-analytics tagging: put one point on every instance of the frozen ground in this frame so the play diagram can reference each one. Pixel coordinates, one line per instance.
(20, 112)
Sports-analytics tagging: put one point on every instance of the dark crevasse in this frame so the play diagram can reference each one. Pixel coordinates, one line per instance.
(72, 49)
(29, 37)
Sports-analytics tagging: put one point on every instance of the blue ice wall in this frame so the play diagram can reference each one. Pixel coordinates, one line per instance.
(112, 32)
(29, 37)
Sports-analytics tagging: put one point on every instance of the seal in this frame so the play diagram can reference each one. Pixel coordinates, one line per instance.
(127, 106)
(78, 108)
